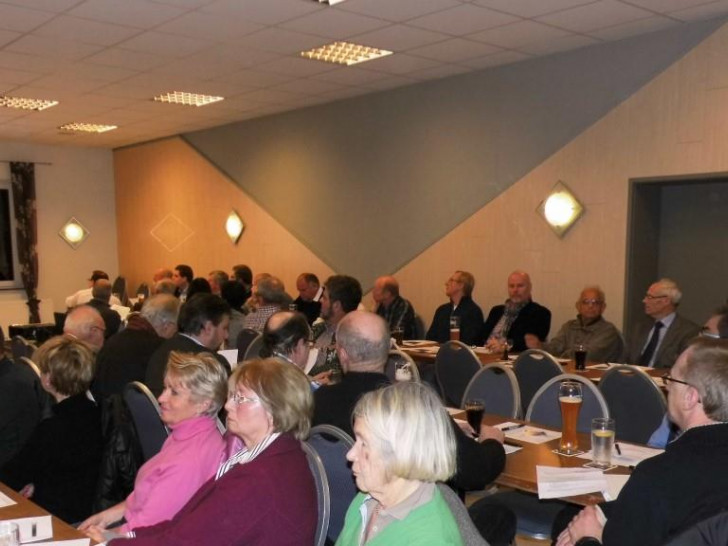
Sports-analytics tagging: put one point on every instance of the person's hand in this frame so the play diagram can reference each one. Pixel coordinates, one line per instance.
(495, 345)
(491, 433)
(465, 427)
(323, 378)
(564, 538)
(101, 535)
(532, 341)
(585, 524)
(27, 491)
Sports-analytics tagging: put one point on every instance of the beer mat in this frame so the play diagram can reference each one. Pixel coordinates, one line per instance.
(575, 454)
(528, 434)
(594, 465)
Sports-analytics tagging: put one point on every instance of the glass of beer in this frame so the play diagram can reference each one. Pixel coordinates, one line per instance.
(454, 328)
(398, 335)
(474, 409)
(580, 356)
(602, 441)
(570, 399)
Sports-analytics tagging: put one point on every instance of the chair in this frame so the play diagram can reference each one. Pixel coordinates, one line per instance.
(245, 338)
(468, 531)
(145, 413)
(635, 401)
(119, 289)
(331, 444)
(19, 346)
(455, 366)
(533, 368)
(322, 493)
(398, 357)
(497, 386)
(253, 350)
(28, 362)
(545, 409)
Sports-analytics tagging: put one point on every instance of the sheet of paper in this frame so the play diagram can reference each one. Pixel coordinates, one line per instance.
(556, 482)
(412, 343)
(6, 501)
(28, 533)
(231, 355)
(454, 411)
(428, 350)
(73, 542)
(528, 433)
(631, 455)
(615, 483)
(599, 366)
(511, 449)
(312, 356)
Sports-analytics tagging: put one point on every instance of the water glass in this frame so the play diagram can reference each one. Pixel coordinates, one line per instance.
(9, 534)
(602, 441)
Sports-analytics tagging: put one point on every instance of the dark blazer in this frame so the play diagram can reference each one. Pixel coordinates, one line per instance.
(533, 319)
(478, 463)
(21, 402)
(270, 501)
(471, 322)
(158, 363)
(676, 339)
(112, 319)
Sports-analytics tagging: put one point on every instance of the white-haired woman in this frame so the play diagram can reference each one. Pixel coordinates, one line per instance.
(404, 444)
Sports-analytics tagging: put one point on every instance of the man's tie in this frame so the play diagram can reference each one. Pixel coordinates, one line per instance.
(646, 355)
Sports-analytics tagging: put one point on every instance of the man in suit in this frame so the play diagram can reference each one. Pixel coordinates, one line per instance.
(182, 277)
(459, 288)
(86, 324)
(518, 317)
(203, 327)
(658, 342)
(308, 286)
(397, 311)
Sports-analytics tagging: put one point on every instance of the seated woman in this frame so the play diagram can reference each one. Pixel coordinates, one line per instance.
(264, 494)
(58, 466)
(404, 444)
(195, 387)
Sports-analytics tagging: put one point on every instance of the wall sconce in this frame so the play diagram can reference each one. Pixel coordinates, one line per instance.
(74, 233)
(234, 227)
(561, 209)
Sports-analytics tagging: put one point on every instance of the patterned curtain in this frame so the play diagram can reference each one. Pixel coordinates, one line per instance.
(22, 176)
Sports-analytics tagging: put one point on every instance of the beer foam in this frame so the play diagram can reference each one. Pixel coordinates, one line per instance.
(570, 399)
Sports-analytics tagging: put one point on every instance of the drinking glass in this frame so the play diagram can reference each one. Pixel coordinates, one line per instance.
(398, 335)
(602, 441)
(580, 356)
(507, 346)
(402, 371)
(474, 409)
(570, 399)
(454, 328)
(9, 534)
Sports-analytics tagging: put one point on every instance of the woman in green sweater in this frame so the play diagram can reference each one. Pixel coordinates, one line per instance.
(404, 444)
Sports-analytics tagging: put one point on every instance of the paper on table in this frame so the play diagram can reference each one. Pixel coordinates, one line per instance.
(511, 449)
(454, 411)
(418, 343)
(631, 455)
(428, 350)
(43, 528)
(312, 356)
(555, 482)
(599, 366)
(231, 355)
(6, 501)
(72, 542)
(615, 483)
(528, 433)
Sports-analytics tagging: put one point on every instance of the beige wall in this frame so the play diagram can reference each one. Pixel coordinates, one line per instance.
(168, 179)
(75, 182)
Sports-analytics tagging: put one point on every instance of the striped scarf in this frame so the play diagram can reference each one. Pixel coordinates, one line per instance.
(245, 455)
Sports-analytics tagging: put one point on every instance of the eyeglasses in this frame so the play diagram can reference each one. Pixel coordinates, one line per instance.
(705, 332)
(667, 377)
(238, 399)
(651, 297)
(592, 302)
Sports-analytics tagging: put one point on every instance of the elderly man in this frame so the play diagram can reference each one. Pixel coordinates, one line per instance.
(459, 288)
(203, 327)
(658, 342)
(182, 278)
(101, 293)
(519, 316)
(285, 336)
(397, 311)
(216, 279)
(85, 295)
(161, 274)
(601, 338)
(308, 286)
(125, 356)
(670, 492)
(269, 295)
(717, 325)
(85, 323)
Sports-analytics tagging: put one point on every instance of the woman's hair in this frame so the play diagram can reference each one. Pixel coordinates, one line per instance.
(284, 392)
(411, 430)
(203, 375)
(70, 364)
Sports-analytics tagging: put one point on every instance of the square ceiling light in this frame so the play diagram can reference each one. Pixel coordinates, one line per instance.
(76, 127)
(561, 209)
(74, 233)
(234, 227)
(26, 104)
(345, 53)
(187, 99)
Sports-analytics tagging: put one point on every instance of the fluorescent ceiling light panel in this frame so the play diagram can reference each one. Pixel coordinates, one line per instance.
(26, 104)
(87, 127)
(330, 2)
(188, 99)
(345, 53)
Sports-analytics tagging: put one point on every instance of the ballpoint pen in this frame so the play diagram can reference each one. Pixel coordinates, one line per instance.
(512, 427)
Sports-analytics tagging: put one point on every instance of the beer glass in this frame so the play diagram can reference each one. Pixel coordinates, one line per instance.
(398, 335)
(602, 441)
(570, 399)
(454, 328)
(474, 409)
(580, 356)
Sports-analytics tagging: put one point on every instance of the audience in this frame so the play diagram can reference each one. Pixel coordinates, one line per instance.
(397, 311)
(234, 294)
(518, 318)
(199, 285)
(244, 275)
(85, 324)
(182, 277)
(216, 279)
(308, 286)
(285, 336)
(165, 286)
(101, 293)
(85, 295)
(459, 288)
(269, 295)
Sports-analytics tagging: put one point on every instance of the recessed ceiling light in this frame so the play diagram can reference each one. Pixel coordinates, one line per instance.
(330, 2)
(345, 53)
(26, 104)
(188, 99)
(87, 127)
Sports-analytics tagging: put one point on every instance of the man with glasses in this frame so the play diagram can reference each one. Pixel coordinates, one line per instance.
(686, 484)
(601, 338)
(86, 324)
(459, 288)
(658, 343)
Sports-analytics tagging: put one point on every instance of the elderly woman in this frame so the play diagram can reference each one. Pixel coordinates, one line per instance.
(264, 494)
(404, 444)
(58, 466)
(195, 387)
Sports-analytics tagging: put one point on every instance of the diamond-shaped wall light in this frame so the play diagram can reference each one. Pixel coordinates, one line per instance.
(74, 233)
(234, 227)
(561, 209)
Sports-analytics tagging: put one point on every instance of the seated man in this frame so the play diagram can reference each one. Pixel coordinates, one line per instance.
(308, 286)
(269, 294)
(671, 492)
(459, 288)
(601, 338)
(84, 296)
(397, 311)
(101, 293)
(85, 323)
(517, 317)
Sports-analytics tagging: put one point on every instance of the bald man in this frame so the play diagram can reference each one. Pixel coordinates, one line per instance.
(519, 316)
(397, 311)
(85, 323)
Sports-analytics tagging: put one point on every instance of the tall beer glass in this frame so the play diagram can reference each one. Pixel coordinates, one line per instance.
(570, 399)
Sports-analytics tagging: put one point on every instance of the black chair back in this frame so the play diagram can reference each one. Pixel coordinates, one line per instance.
(533, 368)
(322, 493)
(145, 413)
(245, 338)
(497, 386)
(455, 366)
(21, 347)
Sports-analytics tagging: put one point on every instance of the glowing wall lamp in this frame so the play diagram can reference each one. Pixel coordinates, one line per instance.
(234, 227)
(74, 233)
(561, 209)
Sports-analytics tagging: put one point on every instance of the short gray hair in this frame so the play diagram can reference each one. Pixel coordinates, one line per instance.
(203, 375)
(669, 288)
(165, 286)
(411, 430)
(160, 309)
(271, 290)
(370, 344)
(706, 369)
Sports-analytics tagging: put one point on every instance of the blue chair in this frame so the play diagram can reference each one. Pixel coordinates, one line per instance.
(322, 493)
(533, 368)
(245, 339)
(497, 386)
(455, 366)
(146, 415)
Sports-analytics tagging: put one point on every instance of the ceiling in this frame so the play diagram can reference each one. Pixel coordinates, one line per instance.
(103, 60)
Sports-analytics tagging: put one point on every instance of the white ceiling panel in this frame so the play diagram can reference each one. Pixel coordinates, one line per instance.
(400, 64)
(123, 58)
(464, 19)
(133, 13)
(53, 47)
(399, 38)
(401, 10)
(167, 45)
(22, 19)
(336, 24)
(7, 36)
(454, 50)
(532, 8)
(515, 35)
(206, 26)
(548, 47)
(594, 16)
(280, 40)
(634, 28)
(266, 12)
(296, 66)
(83, 30)
(703, 11)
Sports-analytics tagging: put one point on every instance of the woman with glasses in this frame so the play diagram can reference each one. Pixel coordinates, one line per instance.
(195, 387)
(264, 494)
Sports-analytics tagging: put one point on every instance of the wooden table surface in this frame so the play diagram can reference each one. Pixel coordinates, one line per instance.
(26, 508)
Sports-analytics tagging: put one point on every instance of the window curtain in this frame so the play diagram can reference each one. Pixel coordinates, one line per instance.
(22, 177)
